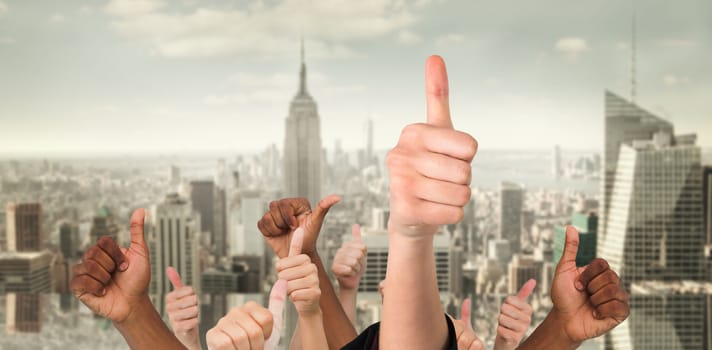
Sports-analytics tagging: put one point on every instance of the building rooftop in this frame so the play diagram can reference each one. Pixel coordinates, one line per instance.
(21, 255)
(673, 287)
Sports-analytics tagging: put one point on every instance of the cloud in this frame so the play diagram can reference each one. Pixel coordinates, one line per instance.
(674, 80)
(3, 8)
(449, 39)
(268, 89)
(408, 38)
(678, 43)
(260, 29)
(133, 7)
(56, 18)
(571, 46)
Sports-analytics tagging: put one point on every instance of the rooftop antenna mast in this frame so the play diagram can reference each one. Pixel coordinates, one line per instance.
(633, 81)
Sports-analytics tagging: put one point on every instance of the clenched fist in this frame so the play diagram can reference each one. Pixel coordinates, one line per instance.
(301, 276)
(515, 315)
(430, 168)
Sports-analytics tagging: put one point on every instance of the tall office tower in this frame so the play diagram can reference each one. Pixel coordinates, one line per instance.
(302, 145)
(24, 313)
(174, 242)
(707, 209)
(587, 226)
(376, 242)
(510, 214)
(250, 241)
(666, 315)
(655, 225)
(69, 240)
(175, 177)
(624, 123)
(556, 169)
(23, 224)
(209, 201)
(369, 142)
(499, 250)
(457, 260)
(103, 224)
(520, 270)
(379, 218)
(3, 231)
(25, 272)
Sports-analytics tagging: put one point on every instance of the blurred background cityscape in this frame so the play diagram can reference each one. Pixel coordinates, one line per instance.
(608, 130)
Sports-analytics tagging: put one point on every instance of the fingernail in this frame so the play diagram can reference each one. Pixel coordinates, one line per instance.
(578, 285)
(595, 314)
(103, 292)
(124, 266)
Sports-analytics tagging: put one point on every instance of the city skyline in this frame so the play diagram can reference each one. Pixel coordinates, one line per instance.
(132, 73)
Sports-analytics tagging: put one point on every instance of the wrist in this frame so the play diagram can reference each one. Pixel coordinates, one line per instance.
(554, 327)
(141, 310)
(347, 291)
(310, 315)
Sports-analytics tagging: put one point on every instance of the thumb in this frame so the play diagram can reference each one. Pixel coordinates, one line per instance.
(356, 232)
(527, 289)
(466, 312)
(295, 246)
(324, 205)
(174, 277)
(570, 247)
(277, 298)
(437, 92)
(138, 219)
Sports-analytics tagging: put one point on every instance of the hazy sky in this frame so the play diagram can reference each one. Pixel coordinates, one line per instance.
(148, 76)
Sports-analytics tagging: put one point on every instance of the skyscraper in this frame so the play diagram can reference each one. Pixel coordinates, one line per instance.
(556, 161)
(23, 276)
(103, 225)
(655, 225)
(69, 240)
(209, 201)
(510, 214)
(624, 122)
(665, 316)
(24, 227)
(174, 242)
(302, 145)
(587, 227)
(707, 209)
(520, 270)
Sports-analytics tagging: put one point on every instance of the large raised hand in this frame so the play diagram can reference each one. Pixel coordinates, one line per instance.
(515, 316)
(182, 308)
(430, 168)
(430, 177)
(113, 281)
(588, 302)
(286, 215)
(591, 299)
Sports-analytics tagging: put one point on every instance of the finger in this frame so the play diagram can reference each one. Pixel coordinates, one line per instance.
(509, 336)
(305, 268)
(237, 335)
(527, 289)
(174, 277)
(568, 257)
(83, 284)
(608, 293)
(517, 325)
(602, 280)
(138, 219)
(288, 215)
(466, 312)
(216, 339)
(184, 314)
(94, 270)
(277, 298)
(108, 245)
(268, 228)
(437, 165)
(101, 257)
(437, 92)
(295, 246)
(184, 302)
(252, 330)
(324, 205)
(301, 283)
(356, 232)
(278, 218)
(616, 309)
(442, 192)
(593, 269)
(262, 316)
(515, 311)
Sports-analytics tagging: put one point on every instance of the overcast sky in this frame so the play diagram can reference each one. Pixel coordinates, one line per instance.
(149, 76)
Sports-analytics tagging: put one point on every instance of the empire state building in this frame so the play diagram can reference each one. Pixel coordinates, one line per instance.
(302, 145)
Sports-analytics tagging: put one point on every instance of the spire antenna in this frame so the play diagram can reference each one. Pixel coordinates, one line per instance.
(633, 49)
